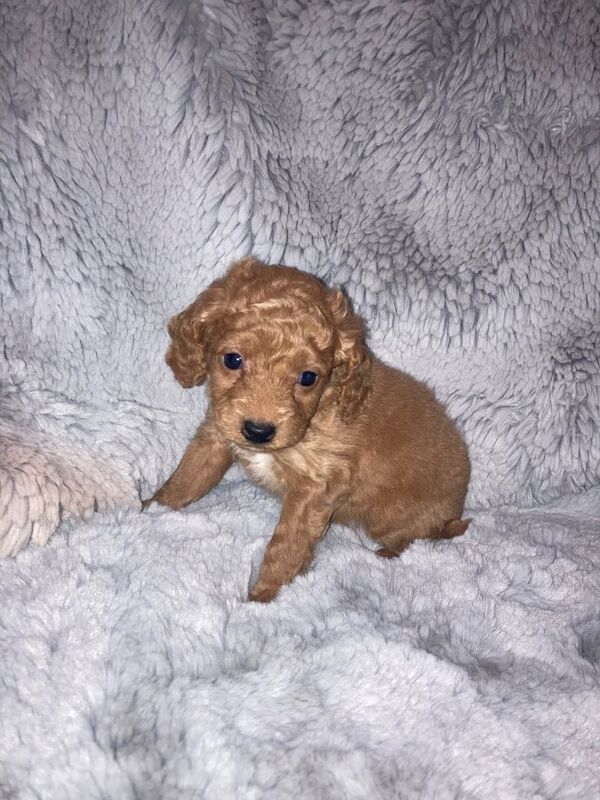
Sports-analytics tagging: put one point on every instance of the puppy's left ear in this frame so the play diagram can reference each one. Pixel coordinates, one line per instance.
(352, 368)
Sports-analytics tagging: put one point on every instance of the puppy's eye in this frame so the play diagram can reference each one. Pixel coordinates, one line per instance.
(307, 378)
(233, 360)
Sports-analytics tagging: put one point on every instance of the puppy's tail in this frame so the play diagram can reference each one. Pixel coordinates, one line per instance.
(452, 528)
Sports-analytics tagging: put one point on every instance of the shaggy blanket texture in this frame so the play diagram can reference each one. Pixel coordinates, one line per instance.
(134, 667)
(441, 160)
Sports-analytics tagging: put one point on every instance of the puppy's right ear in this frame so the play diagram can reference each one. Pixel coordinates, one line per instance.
(190, 331)
(190, 335)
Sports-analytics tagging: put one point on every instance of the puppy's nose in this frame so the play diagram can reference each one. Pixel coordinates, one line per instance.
(258, 432)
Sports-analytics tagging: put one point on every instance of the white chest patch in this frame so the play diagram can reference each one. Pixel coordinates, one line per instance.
(259, 467)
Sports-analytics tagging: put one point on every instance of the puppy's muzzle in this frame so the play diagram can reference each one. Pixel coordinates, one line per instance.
(258, 432)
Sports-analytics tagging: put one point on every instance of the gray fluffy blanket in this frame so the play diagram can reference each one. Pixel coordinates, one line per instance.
(441, 160)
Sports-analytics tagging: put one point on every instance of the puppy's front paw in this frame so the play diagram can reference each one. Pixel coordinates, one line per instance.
(263, 593)
(154, 503)
(384, 552)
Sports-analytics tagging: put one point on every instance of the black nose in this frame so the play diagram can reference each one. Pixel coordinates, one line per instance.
(258, 432)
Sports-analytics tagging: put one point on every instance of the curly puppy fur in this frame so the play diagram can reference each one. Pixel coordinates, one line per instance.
(365, 444)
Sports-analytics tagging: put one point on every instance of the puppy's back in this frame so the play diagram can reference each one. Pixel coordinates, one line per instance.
(409, 447)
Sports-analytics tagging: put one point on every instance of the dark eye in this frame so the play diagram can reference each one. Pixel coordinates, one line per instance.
(233, 360)
(307, 378)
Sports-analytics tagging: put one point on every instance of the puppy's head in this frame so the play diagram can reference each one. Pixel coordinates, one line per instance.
(276, 345)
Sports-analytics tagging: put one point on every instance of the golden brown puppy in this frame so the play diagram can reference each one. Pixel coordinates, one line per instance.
(296, 397)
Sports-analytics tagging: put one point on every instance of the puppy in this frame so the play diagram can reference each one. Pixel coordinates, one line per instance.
(297, 398)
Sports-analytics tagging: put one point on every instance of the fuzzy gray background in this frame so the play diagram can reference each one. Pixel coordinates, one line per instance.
(441, 161)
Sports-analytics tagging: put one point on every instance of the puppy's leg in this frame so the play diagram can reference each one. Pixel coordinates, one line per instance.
(205, 461)
(418, 527)
(305, 517)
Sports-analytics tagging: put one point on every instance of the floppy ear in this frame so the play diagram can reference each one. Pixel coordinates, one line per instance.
(187, 354)
(190, 330)
(352, 370)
